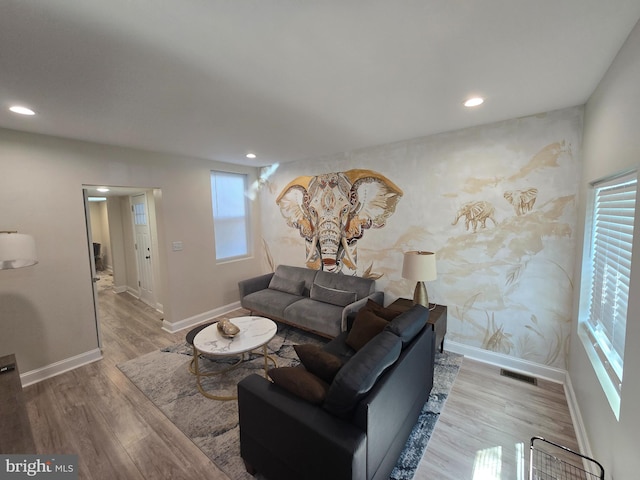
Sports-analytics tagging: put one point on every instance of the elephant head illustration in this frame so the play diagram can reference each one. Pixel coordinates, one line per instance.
(333, 210)
(522, 200)
(475, 213)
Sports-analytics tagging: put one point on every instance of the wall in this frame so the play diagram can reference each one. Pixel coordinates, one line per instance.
(612, 144)
(508, 285)
(46, 311)
(99, 217)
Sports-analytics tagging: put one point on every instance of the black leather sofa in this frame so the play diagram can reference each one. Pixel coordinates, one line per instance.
(361, 428)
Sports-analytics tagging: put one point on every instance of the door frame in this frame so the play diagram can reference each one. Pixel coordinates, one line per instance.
(123, 192)
(92, 265)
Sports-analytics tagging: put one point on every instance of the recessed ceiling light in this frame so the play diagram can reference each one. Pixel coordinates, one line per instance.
(21, 110)
(474, 102)
(103, 189)
(251, 155)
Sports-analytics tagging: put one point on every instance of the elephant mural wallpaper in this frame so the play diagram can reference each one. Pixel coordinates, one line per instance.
(476, 213)
(332, 211)
(495, 202)
(522, 200)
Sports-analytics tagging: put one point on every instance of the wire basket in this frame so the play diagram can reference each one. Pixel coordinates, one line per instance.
(550, 461)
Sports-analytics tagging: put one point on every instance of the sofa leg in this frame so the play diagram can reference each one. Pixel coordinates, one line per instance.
(249, 468)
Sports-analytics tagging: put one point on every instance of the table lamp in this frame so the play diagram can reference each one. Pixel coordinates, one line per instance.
(16, 250)
(420, 266)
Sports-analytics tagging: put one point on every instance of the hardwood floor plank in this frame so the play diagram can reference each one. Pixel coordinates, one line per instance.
(487, 422)
(97, 413)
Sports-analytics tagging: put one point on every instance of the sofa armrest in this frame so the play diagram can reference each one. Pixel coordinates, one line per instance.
(406, 386)
(377, 297)
(283, 436)
(254, 284)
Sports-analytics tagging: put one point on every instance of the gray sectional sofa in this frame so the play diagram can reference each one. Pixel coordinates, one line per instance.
(313, 300)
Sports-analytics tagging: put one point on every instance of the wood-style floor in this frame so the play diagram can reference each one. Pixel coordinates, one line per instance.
(96, 412)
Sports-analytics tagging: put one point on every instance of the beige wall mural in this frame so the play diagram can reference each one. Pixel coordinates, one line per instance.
(497, 205)
(522, 200)
(332, 211)
(476, 213)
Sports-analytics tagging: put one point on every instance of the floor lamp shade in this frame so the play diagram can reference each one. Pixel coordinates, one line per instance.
(420, 266)
(17, 250)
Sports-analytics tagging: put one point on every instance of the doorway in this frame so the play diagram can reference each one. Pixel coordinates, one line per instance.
(122, 221)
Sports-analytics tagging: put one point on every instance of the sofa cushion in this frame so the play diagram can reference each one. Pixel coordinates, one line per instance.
(338, 347)
(356, 378)
(363, 287)
(366, 326)
(386, 313)
(342, 298)
(318, 361)
(269, 302)
(408, 324)
(300, 382)
(282, 284)
(315, 316)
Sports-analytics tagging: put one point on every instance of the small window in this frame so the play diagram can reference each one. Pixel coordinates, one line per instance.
(139, 215)
(605, 279)
(230, 219)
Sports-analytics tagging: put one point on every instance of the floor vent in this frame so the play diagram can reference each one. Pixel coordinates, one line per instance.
(519, 376)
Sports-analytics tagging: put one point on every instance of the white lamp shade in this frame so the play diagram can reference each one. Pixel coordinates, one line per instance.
(419, 266)
(17, 250)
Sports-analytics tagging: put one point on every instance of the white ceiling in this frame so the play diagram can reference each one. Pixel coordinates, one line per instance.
(294, 79)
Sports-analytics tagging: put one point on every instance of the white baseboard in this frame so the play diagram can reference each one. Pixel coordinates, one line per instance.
(201, 317)
(135, 294)
(39, 374)
(576, 418)
(553, 374)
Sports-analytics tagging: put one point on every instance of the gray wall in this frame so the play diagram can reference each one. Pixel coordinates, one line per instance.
(612, 144)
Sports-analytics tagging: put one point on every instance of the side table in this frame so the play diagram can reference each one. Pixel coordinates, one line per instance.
(437, 318)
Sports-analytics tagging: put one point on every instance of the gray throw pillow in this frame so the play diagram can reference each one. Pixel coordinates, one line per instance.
(341, 298)
(285, 285)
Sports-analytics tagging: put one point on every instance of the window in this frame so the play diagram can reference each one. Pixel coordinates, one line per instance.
(139, 215)
(230, 219)
(606, 276)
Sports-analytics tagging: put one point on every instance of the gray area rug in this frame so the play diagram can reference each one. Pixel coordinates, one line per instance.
(163, 376)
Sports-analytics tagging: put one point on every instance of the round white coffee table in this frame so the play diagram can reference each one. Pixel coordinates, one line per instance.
(255, 332)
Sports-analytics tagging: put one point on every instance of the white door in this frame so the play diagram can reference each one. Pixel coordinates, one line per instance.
(142, 239)
(92, 262)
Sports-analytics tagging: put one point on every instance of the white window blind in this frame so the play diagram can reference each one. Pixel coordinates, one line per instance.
(612, 239)
(230, 219)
